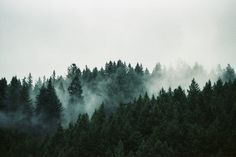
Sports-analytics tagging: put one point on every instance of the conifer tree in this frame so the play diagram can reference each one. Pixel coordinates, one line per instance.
(3, 93)
(25, 100)
(30, 81)
(48, 107)
(229, 74)
(14, 95)
(73, 71)
(194, 91)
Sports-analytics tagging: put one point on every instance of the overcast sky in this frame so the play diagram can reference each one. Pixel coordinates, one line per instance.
(38, 36)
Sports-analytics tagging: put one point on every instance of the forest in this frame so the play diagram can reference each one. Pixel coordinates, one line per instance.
(120, 110)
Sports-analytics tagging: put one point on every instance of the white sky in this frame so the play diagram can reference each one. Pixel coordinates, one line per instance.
(39, 36)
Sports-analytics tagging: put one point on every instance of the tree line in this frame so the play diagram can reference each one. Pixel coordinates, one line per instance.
(175, 123)
(196, 122)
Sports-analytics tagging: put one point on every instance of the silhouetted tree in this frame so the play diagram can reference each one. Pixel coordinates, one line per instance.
(176, 122)
(75, 90)
(73, 71)
(3, 93)
(25, 100)
(229, 74)
(48, 107)
(13, 97)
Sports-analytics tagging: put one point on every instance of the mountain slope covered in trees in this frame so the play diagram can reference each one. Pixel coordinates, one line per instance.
(51, 118)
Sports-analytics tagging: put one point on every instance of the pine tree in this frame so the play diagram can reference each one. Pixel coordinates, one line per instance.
(25, 100)
(30, 85)
(55, 107)
(48, 107)
(30, 81)
(36, 90)
(193, 92)
(75, 90)
(87, 75)
(73, 71)
(14, 95)
(3, 93)
(75, 97)
(139, 69)
(194, 102)
(179, 95)
(229, 74)
(53, 77)
(41, 101)
(109, 68)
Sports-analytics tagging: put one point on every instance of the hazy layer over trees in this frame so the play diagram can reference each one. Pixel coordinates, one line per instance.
(191, 121)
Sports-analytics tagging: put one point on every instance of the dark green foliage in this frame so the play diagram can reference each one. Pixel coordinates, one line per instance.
(174, 123)
(25, 100)
(37, 88)
(30, 83)
(17, 144)
(48, 107)
(166, 126)
(73, 71)
(13, 97)
(75, 90)
(3, 93)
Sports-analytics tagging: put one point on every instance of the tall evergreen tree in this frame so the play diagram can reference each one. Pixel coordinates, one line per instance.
(75, 94)
(73, 71)
(56, 106)
(194, 91)
(36, 89)
(53, 77)
(75, 90)
(30, 81)
(25, 100)
(229, 74)
(49, 108)
(14, 95)
(87, 75)
(3, 93)
(139, 69)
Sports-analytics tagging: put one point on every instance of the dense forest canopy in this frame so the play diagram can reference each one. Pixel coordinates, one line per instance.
(120, 111)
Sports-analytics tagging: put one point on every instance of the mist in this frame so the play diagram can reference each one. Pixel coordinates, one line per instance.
(51, 34)
(126, 78)
(180, 75)
(188, 38)
(114, 84)
(97, 91)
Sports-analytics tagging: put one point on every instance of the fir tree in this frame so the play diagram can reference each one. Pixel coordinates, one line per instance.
(48, 107)
(3, 93)
(13, 97)
(25, 100)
